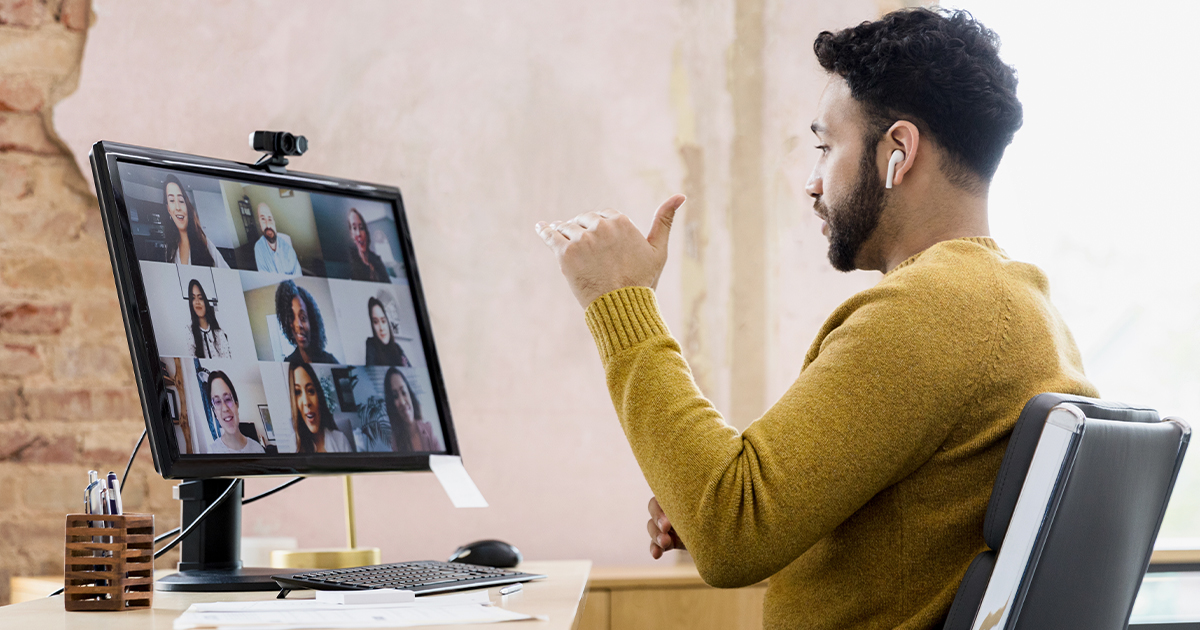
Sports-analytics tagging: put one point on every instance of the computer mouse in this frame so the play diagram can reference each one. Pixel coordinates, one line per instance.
(488, 553)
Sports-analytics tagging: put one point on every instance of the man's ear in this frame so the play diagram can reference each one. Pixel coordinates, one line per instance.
(905, 137)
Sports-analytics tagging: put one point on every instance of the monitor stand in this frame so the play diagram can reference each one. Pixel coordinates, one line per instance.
(210, 557)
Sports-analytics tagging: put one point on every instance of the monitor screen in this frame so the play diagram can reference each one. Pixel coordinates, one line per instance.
(276, 320)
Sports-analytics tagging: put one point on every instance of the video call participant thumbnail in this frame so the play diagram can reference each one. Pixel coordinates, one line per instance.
(312, 420)
(410, 431)
(364, 263)
(302, 324)
(224, 399)
(382, 348)
(206, 339)
(273, 252)
(187, 244)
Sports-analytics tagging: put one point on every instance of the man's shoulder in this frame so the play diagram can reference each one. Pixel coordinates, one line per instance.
(961, 281)
(973, 268)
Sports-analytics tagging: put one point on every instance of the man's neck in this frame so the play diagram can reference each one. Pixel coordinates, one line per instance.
(942, 218)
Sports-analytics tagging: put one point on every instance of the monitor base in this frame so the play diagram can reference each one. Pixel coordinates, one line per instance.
(223, 580)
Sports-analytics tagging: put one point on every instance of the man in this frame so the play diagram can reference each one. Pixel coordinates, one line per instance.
(273, 252)
(861, 493)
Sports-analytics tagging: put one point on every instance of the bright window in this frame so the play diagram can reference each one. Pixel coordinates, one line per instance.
(1099, 189)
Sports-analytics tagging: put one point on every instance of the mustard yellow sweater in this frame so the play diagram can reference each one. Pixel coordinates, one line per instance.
(862, 492)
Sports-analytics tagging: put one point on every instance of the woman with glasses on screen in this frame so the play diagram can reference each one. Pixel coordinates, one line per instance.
(364, 263)
(224, 399)
(382, 348)
(410, 432)
(187, 244)
(312, 421)
(208, 341)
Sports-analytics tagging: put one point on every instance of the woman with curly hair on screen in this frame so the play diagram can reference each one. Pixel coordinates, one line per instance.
(302, 325)
(208, 341)
(311, 419)
(187, 243)
(410, 431)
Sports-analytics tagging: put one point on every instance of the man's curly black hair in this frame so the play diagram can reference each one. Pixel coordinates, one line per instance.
(938, 69)
(284, 295)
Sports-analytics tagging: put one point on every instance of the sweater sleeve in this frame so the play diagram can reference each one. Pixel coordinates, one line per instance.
(877, 400)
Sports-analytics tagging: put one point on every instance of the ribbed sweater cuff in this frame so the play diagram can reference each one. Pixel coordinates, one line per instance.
(624, 318)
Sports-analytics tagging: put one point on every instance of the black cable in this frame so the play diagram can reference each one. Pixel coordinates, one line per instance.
(159, 538)
(282, 486)
(131, 456)
(173, 543)
(199, 518)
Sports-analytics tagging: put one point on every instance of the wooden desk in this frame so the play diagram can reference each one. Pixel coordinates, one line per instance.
(559, 597)
(667, 597)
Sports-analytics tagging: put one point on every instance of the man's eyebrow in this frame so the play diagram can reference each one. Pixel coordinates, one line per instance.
(817, 127)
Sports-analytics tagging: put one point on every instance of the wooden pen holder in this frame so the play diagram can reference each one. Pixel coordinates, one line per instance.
(109, 562)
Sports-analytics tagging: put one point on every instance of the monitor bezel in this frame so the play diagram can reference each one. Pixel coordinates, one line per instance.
(168, 461)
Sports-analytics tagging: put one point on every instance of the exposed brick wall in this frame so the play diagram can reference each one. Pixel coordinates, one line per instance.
(67, 398)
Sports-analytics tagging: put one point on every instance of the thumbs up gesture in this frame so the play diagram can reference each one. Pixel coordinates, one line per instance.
(604, 251)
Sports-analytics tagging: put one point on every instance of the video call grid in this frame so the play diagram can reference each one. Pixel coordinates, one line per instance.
(338, 251)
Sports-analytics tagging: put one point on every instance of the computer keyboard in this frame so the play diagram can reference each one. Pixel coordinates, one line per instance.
(423, 578)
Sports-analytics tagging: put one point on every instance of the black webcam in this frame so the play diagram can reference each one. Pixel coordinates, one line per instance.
(280, 142)
(276, 145)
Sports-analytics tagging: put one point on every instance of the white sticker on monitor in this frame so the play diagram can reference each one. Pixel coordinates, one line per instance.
(456, 482)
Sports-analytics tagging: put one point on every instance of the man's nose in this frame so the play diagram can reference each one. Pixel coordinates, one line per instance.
(814, 187)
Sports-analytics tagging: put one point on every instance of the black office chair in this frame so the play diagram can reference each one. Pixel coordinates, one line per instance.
(1094, 545)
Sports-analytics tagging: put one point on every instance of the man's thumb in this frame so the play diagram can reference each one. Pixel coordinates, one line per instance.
(661, 228)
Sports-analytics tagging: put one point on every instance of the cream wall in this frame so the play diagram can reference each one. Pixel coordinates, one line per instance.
(490, 116)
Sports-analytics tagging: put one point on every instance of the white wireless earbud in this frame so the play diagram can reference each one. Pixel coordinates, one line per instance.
(897, 157)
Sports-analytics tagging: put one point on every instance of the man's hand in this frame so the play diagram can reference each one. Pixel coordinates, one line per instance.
(603, 251)
(662, 535)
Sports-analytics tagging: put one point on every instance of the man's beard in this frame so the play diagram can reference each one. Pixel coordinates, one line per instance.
(271, 235)
(853, 219)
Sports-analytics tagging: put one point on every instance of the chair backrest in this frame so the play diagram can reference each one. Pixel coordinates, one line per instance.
(1095, 542)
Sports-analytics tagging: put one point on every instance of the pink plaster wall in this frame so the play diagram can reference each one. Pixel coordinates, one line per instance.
(489, 116)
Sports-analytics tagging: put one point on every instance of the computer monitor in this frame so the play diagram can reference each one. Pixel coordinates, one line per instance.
(276, 324)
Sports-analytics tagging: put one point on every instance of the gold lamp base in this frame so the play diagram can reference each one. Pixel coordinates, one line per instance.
(325, 558)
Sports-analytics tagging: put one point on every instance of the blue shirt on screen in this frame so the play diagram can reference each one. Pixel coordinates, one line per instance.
(280, 260)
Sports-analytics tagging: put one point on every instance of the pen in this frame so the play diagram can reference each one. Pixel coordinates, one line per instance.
(114, 494)
(93, 498)
(94, 506)
(509, 590)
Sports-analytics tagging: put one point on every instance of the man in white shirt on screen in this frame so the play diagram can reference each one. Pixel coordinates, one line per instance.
(273, 253)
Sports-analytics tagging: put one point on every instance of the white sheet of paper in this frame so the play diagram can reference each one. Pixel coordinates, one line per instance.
(283, 605)
(351, 617)
(456, 482)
